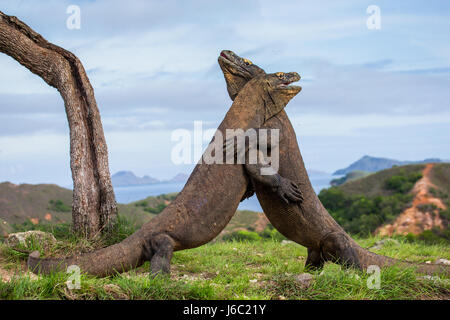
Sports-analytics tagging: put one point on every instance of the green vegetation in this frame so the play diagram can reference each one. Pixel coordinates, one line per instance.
(59, 206)
(375, 184)
(160, 207)
(440, 176)
(155, 210)
(157, 205)
(242, 235)
(262, 269)
(362, 205)
(269, 233)
(361, 214)
(19, 203)
(434, 235)
(403, 182)
(438, 193)
(353, 175)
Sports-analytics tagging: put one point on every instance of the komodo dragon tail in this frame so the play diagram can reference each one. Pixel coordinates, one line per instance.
(340, 248)
(119, 257)
(367, 258)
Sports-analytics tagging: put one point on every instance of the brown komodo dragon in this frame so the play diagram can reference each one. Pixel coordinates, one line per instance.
(309, 223)
(205, 205)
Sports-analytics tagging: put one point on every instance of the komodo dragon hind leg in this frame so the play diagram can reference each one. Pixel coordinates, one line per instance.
(336, 247)
(314, 260)
(162, 251)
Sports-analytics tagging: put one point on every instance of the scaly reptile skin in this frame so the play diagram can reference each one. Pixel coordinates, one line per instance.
(205, 205)
(309, 223)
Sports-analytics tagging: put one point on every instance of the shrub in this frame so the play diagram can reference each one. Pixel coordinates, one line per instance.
(271, 233)
(59, 206)
(242, 235)
(160, 207)
(402, 183)
(359, 214)
(142, 203)
(438, 193)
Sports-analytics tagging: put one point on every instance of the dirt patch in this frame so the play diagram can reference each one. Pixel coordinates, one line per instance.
(415, 220)
(6, 275)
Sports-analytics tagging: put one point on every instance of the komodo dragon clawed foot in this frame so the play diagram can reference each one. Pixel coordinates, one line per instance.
(334, 247)
(161, 251)
(288, 190)
(314, 260)
(285, 188)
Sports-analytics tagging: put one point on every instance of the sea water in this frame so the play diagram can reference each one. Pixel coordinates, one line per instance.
(134, 193)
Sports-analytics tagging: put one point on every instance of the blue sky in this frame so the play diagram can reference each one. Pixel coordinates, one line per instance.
(153, 65)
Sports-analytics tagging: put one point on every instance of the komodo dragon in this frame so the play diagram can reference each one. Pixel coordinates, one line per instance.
(205, 205)
(308, 224)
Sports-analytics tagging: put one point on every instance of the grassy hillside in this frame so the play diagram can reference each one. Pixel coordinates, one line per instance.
(20, 203)
(363, 205)
(440, 176)
(49, 203)
(374, 184)
(352, 175)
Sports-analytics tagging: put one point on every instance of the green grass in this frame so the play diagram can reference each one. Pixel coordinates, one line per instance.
(240, 270)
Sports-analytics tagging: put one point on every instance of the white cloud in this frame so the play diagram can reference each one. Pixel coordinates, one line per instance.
(351, 125)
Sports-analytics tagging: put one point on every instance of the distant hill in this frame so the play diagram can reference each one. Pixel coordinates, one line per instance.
(375, 184)
(373, 164)
(27, 202)
(128, 178)
(181, 177)
(409, 200)
(49, 203)
(317, 173)
(352, 175)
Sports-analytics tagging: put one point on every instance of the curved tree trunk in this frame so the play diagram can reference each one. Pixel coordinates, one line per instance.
(94, 208)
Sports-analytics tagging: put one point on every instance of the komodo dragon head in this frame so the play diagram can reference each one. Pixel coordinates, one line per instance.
(279, 91)
(277, 86)
(238, 71)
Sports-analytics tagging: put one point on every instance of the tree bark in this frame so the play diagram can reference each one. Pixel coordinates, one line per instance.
(94, 207)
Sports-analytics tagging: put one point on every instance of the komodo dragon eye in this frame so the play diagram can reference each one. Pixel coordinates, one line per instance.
(247, 62)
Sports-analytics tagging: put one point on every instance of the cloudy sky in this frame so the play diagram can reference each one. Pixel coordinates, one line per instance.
(153, 65)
